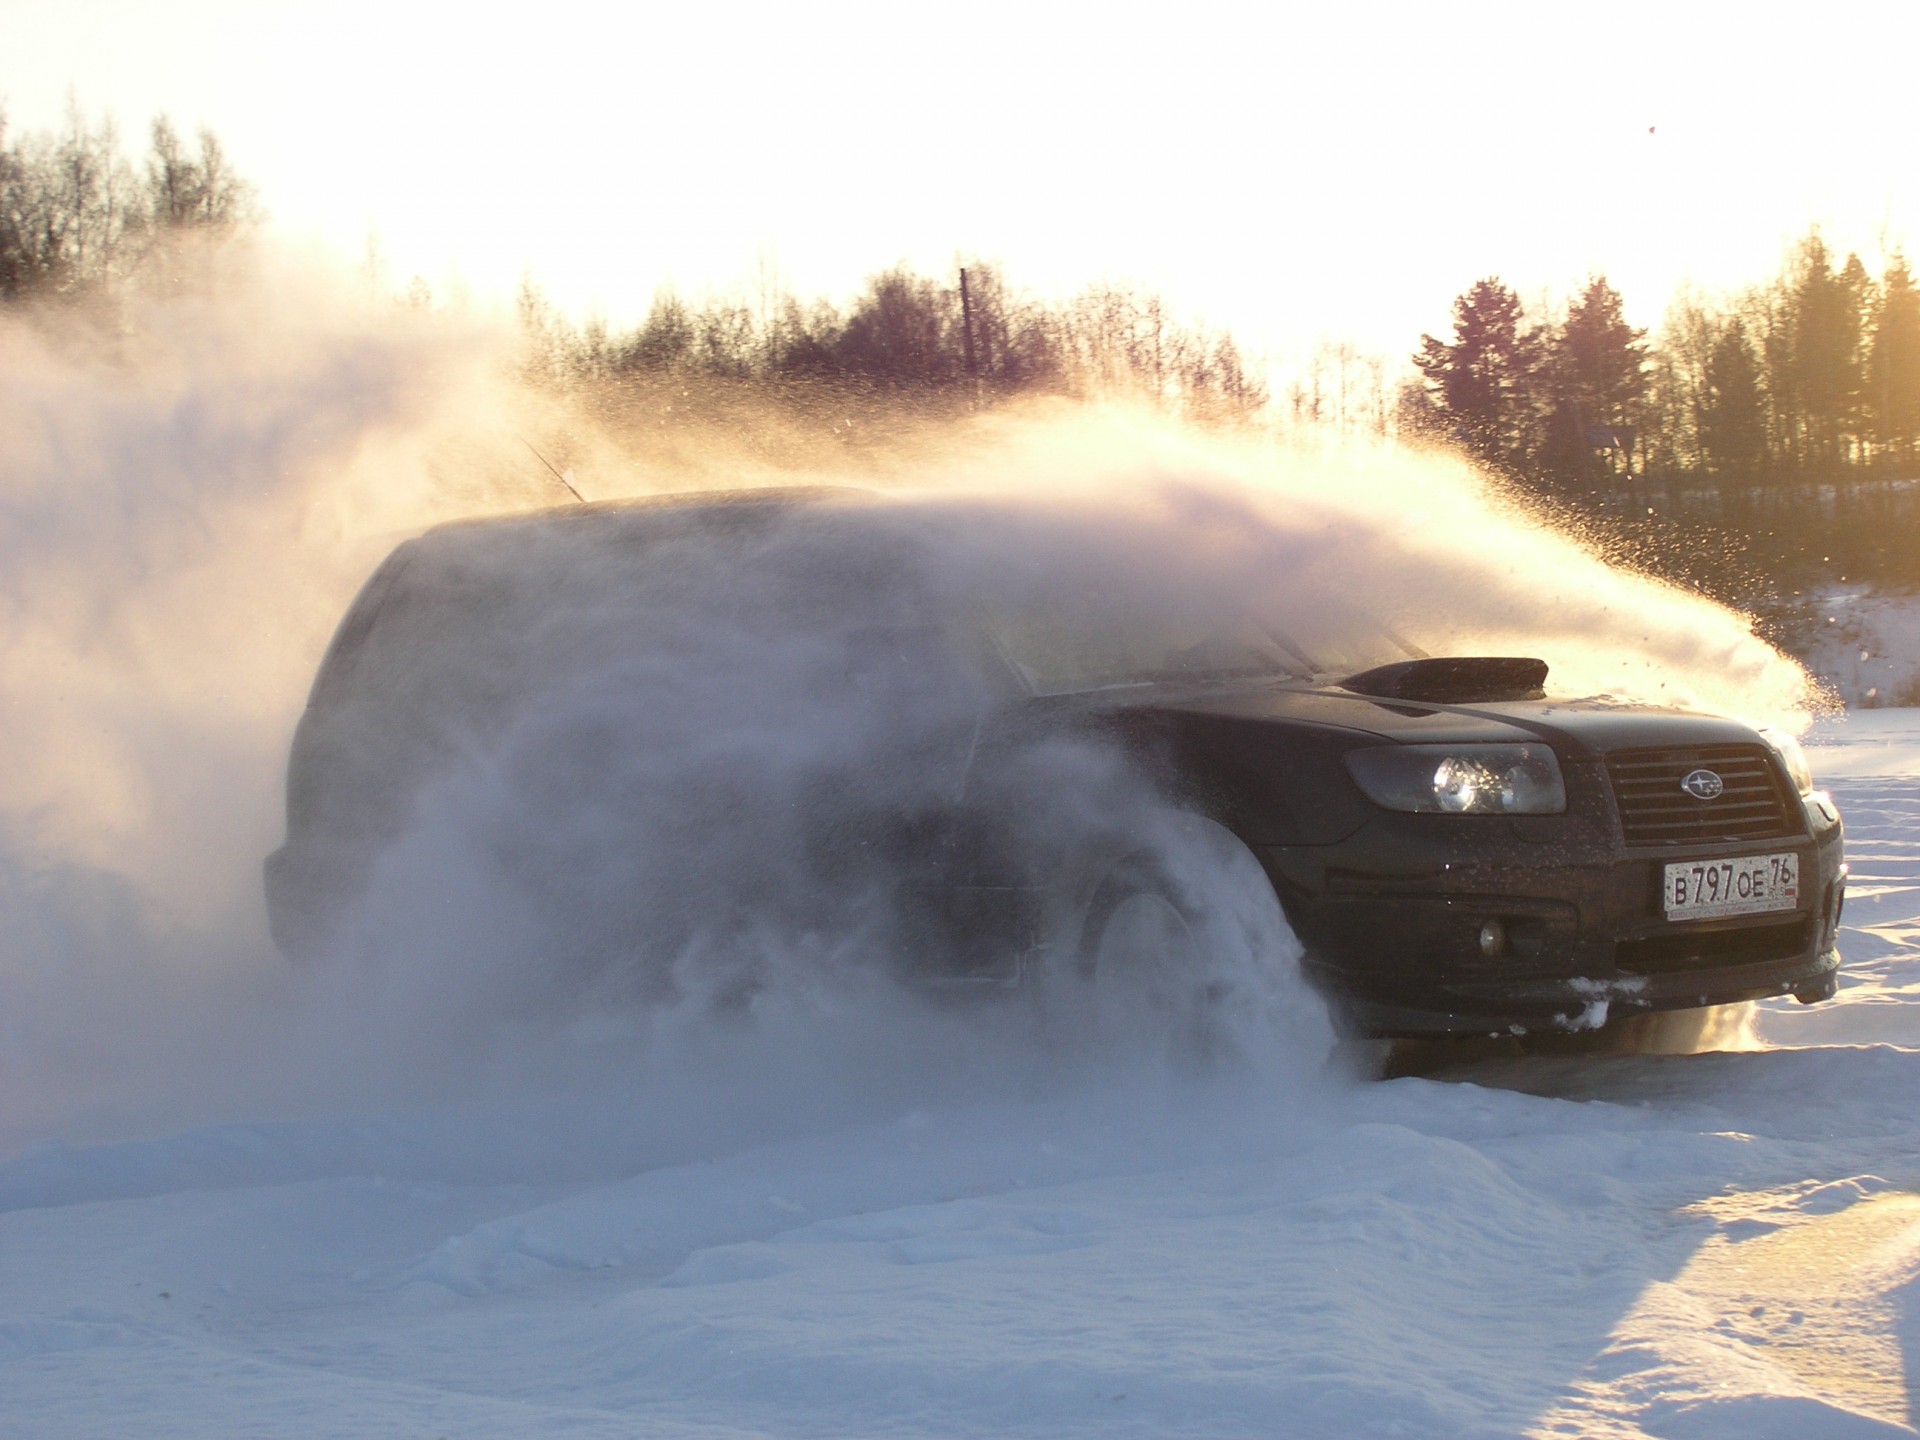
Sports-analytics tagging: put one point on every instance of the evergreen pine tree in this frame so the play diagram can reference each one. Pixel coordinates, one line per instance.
(1598, 379)
(1484, 383)
(1733, 411)
(1894, 366)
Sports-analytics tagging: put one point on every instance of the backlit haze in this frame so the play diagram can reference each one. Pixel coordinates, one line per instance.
(1293, 173)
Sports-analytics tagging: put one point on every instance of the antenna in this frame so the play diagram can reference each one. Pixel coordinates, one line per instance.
(556, 474)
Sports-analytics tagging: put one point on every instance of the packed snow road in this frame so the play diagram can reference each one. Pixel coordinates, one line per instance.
(769, 1244)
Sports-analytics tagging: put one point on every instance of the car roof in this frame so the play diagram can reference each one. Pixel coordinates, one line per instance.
(642, 513)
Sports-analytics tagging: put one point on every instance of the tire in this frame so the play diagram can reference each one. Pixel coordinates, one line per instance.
(1182, 956)
(1144, 968)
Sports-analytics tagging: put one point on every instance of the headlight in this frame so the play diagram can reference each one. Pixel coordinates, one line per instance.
(1461, 779)
(1791, 756)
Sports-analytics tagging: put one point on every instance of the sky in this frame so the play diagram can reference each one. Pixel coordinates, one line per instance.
(1296, 173)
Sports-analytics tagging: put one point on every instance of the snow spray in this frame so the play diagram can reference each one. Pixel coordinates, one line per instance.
(185, 513)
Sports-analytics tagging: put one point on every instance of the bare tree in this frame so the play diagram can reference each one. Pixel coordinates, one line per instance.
(76, 218)
(186, 190)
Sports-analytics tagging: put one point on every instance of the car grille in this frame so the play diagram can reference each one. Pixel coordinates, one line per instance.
(1655, 811)
(1755, 945)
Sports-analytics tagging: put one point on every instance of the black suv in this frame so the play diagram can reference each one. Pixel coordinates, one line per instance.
(1456, 852)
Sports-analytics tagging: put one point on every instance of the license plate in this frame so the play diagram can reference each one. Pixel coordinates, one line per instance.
(1751, 885)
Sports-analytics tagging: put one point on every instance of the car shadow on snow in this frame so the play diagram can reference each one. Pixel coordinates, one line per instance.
(1715, 1028)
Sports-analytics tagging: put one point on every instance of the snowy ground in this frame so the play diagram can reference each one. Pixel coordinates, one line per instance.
(1711, 1245)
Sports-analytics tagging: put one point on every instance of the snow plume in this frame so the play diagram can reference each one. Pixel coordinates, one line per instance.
(638, 869)
(1417, 540)
(185, 504)
(187, 513)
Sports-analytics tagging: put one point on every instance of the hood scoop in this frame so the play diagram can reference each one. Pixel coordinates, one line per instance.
(1453, 680)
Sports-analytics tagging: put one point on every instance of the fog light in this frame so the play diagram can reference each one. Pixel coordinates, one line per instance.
(1493, 939)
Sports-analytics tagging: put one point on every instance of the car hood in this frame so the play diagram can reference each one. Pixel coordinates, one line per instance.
(1572, 725)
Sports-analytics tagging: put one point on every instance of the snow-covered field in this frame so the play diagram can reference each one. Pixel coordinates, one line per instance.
(1865, 644)
(775, 1244)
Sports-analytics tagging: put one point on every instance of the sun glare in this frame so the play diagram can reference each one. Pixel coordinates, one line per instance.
(1293, 177)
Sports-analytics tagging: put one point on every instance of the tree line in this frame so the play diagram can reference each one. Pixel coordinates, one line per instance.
(1811, 375)
(1745, 450)
(77, 217)
(79, 220)
(967, 336)
(1745, 440)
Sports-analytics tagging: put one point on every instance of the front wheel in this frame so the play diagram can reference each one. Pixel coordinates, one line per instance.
(1144, 964)
(1180, 953)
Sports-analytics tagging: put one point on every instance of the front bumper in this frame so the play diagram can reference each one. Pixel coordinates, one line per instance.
(1391, 920)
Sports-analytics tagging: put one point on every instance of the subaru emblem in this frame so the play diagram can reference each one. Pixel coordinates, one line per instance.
(1702, 784)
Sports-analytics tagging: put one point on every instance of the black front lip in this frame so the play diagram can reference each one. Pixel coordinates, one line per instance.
(1571, 1005)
